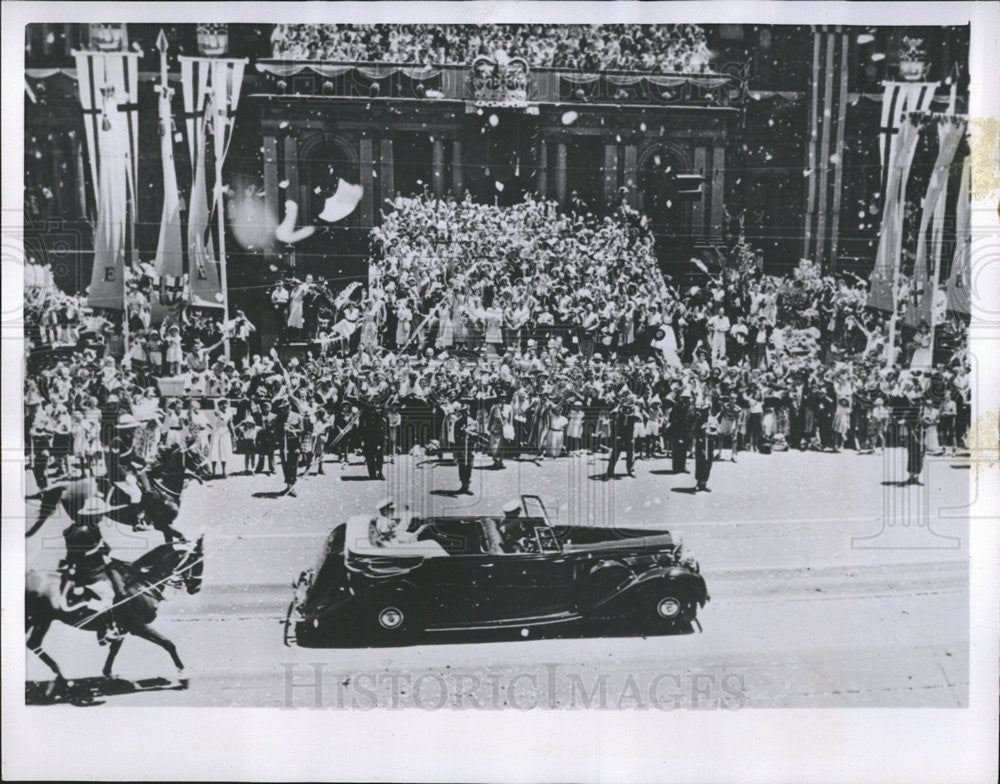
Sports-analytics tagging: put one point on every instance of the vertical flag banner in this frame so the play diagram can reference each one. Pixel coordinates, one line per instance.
(109, 84)
(169, 262)
(959, 281)
(898, 100)
(925, 280)
(211, 89)
(206, 289)
(107, 281)
(227, 79)
(884, 276)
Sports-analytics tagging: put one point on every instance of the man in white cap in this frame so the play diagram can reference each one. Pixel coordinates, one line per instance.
(512, 510)
(392, 528)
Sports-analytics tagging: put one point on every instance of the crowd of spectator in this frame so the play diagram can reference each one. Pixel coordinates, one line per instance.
(534, 323)
(590, 48)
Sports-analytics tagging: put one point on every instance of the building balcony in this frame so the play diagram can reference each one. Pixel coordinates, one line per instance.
(486, 83)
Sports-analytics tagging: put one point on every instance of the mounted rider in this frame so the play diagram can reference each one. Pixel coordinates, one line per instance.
(126, 470)
(87, 580)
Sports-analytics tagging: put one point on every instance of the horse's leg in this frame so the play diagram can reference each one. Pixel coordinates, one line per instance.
(112, 653)
(148, 633)
(49, 502)
(36, 634)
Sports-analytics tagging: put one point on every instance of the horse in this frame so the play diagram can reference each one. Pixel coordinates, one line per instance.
(160, 503)
(143, 585)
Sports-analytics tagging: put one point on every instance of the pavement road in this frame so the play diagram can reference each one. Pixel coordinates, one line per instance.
(831, 585)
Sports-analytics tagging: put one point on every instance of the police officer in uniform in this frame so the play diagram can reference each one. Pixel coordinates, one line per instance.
(705, 429)
(373, 426)
(466, 432)
(679, 427)
(288, 426)
(85, 568)
(623, 435)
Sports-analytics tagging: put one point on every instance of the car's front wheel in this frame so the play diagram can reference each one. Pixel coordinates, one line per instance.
(667, 608)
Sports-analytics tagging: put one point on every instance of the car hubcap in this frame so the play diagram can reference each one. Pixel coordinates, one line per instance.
(390, 618)
(668, 607)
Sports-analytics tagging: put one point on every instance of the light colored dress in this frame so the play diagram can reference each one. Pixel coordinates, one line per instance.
(446, 329)
(556, 434)
(220, 445)
(296, 319)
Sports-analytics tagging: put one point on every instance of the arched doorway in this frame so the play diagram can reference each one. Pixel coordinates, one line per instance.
(661, 199)
(335, 251)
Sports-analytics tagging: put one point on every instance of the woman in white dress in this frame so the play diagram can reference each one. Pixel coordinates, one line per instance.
(556, 433)
(922, 353)
(446, 329)
(296, 316)
(404, 320)
(574, 428)
(220, 445)
(199, 428)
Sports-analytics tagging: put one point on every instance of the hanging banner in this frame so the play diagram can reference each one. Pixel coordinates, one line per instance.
(950, 132)
(211, 89)
(107, 279)
(108, 85)
(887, 259)
(203, 272)
(899, 99)
(115, 74)
(168, 264)
(960, 278)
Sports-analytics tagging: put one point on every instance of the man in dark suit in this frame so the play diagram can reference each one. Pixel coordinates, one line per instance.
(466, 432)
(373, 426)
(288, 426)
(679, 429)
(624, 417)
(704, 432)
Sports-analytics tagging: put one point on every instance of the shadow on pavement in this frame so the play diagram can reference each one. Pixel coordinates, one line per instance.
(85, 692)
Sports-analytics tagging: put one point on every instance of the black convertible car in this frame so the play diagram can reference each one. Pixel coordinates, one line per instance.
(489, 572)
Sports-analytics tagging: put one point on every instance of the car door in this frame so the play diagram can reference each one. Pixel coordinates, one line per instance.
(529, 585)
(456, 590)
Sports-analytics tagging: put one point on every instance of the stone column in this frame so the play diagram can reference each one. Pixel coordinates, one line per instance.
(367, 155)
(271, 174)
(292, 169)
(387, 172)
(438, 168)
(718, 188)
(543, 169)
(561, 172)
(632, 174)
(610, 173)
(457, 170)
(699, 206)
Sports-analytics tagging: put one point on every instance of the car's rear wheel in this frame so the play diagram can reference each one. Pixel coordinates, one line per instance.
(667, 608)
(392, 618)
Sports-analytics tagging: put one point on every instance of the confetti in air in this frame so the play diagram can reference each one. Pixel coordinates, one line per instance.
(286, 231)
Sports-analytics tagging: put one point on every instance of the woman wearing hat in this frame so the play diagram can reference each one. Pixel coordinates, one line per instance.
(175, 355)
(220, 446)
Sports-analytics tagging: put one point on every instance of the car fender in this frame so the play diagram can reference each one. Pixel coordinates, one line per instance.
(605, 580)
(691, 583)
